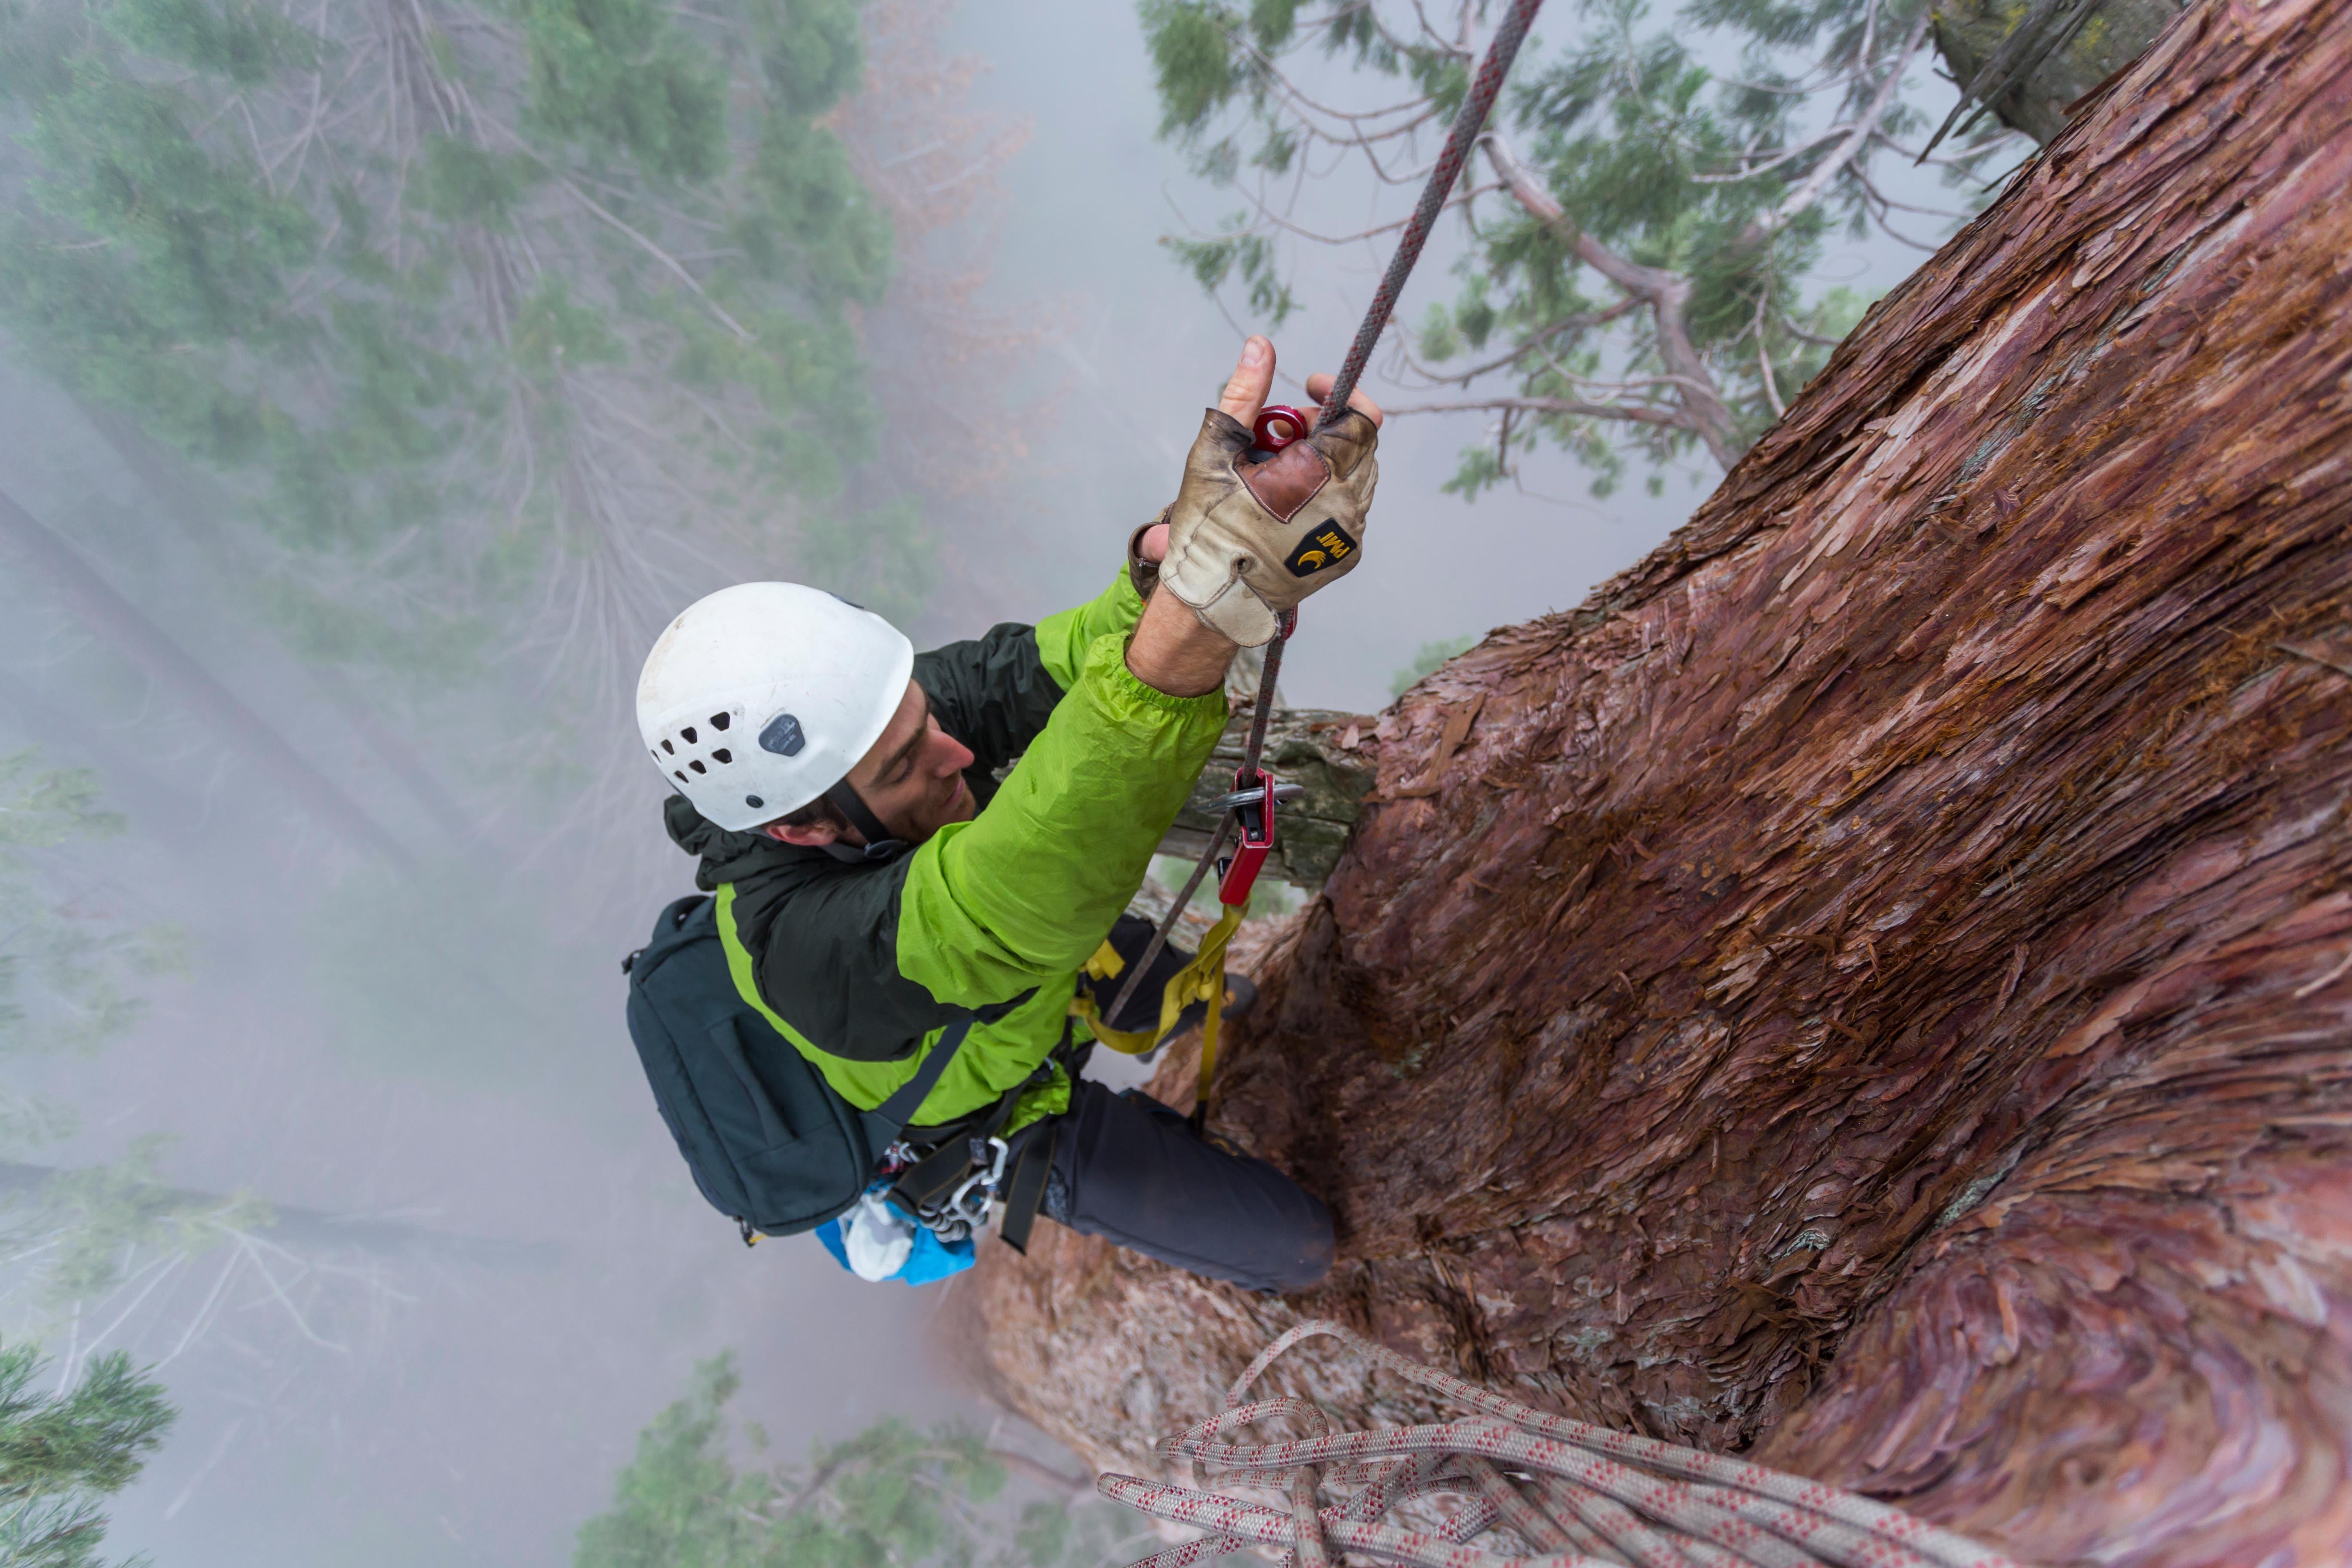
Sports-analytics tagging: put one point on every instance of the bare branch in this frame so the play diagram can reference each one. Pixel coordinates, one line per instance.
(1269, 217)
(1571, 407)
(1967, 163)
(1043, 1473)
(1764, 356)
(1786, 154)
(1703, 412)
(1806, 195)
(1443, 44)
(1583, 321)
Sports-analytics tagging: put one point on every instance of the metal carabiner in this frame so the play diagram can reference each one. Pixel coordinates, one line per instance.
(984, 1180)
(1241, 797)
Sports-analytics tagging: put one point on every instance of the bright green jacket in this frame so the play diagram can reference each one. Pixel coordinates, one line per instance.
(862, 965)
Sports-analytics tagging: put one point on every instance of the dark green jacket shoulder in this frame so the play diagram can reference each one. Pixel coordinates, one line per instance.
(824, 932)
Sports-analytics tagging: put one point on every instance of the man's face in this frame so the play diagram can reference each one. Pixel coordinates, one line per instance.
(912, 778)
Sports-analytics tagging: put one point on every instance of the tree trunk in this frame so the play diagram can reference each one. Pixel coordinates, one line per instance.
(1873, 987)
(196, 501)
(62, 570)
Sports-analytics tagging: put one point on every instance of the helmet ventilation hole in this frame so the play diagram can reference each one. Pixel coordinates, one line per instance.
(697, 767)
(667, 747)
(687, 734)
(722, 754)
(719, 721)
(680, 776)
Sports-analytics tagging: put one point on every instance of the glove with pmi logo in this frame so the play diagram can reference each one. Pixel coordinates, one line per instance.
(1246, 541)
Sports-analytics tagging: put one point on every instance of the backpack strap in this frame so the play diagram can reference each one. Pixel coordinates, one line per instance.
(900, 1108)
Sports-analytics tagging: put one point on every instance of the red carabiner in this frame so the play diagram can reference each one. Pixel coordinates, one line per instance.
(1278, 424)
(1258, 838)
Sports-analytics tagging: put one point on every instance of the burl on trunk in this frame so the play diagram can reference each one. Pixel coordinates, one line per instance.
(1873, 988)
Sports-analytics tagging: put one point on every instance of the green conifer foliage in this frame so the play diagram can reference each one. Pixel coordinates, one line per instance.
(61, 1454)
(1645, 219)
(895, 1495)
(497, 314)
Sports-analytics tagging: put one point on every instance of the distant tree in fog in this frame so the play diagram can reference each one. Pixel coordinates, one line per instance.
(944, 360)
(69, 973)
(69, 979)
(895, 1495)
(499, 317)
(62, 1454)
(1645, 215)
(1425, 660)
(110, 1253)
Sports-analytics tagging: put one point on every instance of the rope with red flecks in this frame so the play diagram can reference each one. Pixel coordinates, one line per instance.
(1468, 121)
(1576, 1494)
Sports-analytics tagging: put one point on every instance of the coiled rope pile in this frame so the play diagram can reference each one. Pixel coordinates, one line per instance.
(1538, 1491)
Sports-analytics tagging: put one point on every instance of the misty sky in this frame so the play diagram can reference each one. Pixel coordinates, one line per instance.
(446, 1051)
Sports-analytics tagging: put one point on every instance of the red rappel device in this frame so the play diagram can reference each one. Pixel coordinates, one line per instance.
(1278, 424)
(1239, 873)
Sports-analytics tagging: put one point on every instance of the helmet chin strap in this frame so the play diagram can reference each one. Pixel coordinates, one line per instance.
(881, 844)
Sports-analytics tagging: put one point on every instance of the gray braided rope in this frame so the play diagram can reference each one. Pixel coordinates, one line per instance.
(1591, 1497)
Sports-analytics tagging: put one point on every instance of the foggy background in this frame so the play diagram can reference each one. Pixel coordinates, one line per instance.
(442, 1052)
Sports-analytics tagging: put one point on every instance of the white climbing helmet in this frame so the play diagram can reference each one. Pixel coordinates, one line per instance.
(762, 697)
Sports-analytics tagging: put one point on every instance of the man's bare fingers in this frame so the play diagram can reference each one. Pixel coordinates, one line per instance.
(1318, 388)
(1244, 394)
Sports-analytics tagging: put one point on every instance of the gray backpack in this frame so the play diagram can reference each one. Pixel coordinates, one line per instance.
(770, 1143)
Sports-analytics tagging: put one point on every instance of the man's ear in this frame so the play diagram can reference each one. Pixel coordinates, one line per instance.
(815, 835)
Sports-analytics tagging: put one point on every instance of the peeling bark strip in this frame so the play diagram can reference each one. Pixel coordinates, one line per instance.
(1872, 985)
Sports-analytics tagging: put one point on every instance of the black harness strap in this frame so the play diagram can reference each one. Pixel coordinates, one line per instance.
(963, 1143)
(1025, 1191)
(910, 1096)
(928, 1181)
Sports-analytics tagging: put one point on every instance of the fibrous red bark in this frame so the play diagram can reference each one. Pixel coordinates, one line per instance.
(1874, 987)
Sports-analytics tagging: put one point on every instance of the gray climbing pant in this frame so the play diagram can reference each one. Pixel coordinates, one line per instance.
(1133, 1172)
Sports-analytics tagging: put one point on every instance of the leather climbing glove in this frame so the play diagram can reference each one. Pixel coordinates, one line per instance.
(1246, 541)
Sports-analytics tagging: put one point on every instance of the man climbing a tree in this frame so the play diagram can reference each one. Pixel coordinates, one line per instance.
(922, 936)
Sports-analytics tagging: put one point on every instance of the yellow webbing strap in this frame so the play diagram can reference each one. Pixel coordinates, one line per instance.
(1205, 977)
(1107, 964)
(1203, 980)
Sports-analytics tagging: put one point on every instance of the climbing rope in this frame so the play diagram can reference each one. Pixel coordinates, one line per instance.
(1205, 977)
(1531, 1489)
(1468, 121)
